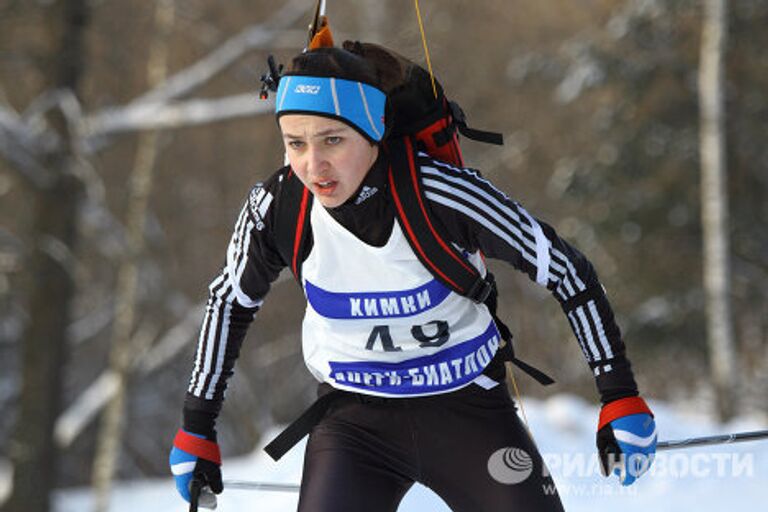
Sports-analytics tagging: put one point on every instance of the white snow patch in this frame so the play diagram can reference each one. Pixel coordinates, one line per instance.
(708, 479)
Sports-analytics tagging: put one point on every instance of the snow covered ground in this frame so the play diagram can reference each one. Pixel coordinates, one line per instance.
(705, 479)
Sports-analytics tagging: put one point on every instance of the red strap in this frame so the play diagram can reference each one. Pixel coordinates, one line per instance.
(415, 182)
(299, 232)
(202, 448)
(620, 408)
(412, 236)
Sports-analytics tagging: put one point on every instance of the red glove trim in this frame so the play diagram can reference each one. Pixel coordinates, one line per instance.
(620, 408)
(202, 448)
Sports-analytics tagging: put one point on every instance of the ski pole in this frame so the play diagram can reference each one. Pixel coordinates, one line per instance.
(194, 494)
(207, 499)
(675, 444)
(200, 496)
(261, 486)
(739, 437)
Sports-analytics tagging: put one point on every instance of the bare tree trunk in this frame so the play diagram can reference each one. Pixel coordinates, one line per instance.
(49, 275)
(714, 207)
(111, 432)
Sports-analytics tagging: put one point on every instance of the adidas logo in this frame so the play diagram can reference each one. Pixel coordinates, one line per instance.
(259, 200)
(365, 194)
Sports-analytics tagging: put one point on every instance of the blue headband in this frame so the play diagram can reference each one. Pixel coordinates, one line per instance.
(355, 103)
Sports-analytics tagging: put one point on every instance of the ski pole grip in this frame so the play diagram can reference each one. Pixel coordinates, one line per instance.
(194, 494)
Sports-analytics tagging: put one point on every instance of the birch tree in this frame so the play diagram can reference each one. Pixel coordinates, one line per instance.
(714, 206)
(49, 149)
(111, 432)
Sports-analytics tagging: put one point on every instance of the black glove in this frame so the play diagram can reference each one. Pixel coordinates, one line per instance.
(626, 439)
(193, 457)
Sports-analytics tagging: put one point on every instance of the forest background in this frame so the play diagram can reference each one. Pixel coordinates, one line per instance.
(116, 205)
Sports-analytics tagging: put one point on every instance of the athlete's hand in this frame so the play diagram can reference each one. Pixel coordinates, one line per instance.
(195, 457)
(626, 439)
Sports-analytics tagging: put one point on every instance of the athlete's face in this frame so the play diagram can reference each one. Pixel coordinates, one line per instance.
(328, 156)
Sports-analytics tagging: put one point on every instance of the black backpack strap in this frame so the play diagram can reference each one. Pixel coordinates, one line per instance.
(423, 232)
(460, 120)
(293, 231)
(425, 236)
(302, 425)
(508, 354)
(507, 349)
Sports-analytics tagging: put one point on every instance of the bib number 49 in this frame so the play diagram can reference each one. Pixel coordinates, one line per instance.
(431, 334)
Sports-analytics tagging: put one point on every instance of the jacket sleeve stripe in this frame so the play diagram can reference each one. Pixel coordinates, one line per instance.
(240, 264)
(236, 242)
(480, 219)
(543, 246)
(465, 191)
(588, 331)
(252, 263)
(208, 335)
(199, 357)
(458, 183)
(225, 293)
(580, 286)
(488, 219)
(237, 257)
(213, 340)
(600, 330)
(577, 329)
(470, 186)
(220, 348)
(565, 286)
(499, 219)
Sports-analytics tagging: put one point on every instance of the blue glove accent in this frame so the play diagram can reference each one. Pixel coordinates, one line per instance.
(635, 437)
(182, 466)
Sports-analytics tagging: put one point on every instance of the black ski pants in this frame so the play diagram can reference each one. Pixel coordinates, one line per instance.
(367, 452)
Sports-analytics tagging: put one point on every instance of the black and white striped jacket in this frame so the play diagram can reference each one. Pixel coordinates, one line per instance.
(474, 212)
